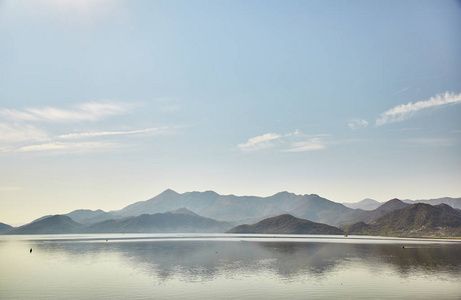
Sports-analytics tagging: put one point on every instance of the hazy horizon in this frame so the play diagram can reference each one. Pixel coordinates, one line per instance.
(106, 103)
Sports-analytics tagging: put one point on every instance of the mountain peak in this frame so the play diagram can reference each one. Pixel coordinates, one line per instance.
(51, 224)
(286, 224)
(284, 194)
(394, 202)
(368, 200)
(168, 192)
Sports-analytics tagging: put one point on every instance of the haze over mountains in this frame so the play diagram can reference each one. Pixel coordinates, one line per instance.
(211, 212)
(365, 204)
(370, 204)
(244, 209)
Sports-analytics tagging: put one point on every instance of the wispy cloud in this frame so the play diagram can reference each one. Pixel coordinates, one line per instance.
(309, 145)
(19, 132)
(400, 91)
(405, 111)
(91, 111)
(14, 141)
(290, 142)
(84, 135)
(356, 124)
(67, 148)
(259, 142)
(16, 133)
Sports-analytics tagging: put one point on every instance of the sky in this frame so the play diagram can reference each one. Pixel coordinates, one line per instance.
(105, 103)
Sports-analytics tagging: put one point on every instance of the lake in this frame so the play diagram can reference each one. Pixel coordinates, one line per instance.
(224, 266)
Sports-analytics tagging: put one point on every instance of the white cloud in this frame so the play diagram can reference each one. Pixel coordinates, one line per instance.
(19, 133)
(109, 133)
(92, 111)
(355, 124)
(310, 145)
(16, 133)
(405, 111)
(290, 142)
(67, 148)
(259, 142)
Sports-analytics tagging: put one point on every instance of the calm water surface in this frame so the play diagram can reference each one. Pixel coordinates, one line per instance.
(191, 266)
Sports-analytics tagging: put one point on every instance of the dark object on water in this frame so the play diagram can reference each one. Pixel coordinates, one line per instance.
(403, 247)
(30, 251)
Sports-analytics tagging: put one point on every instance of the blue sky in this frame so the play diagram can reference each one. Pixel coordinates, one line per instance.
(104, 103)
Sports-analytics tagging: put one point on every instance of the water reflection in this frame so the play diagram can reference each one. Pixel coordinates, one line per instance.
(204, 260)
(233, 268)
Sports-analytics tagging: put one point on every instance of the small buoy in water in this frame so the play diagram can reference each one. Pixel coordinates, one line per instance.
(30, 251)
(106, 240)
(403, 247)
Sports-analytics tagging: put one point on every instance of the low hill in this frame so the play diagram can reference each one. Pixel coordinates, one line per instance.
(286, 224)
(51, 225)
(369, 216)
(357, 228)
(416, 220)
(177, 221)
(5, 228)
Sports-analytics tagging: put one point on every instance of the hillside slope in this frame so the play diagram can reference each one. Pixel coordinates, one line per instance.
(51, 225)
(416, 220)
(183, 221)
(286, 224)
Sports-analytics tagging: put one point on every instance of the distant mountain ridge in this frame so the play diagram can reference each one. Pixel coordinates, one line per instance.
(286, 224)
(230, 210)
(419, 219)
(453, 202)
(368, 216)
(365, 204)
(177, 221)
(181, 220)
(244, 209)
(57, 224)
(370, 204)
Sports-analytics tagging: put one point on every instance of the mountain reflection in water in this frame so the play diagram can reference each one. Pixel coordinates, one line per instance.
(206, 259)
(231, 267)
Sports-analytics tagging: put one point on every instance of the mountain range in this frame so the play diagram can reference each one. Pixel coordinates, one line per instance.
(245, 209)
(181, 220)
(210, 212)
(415, 220)
(370, 204)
